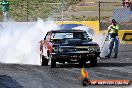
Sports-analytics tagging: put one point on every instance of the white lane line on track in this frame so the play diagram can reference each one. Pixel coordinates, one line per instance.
(121, 69)
(113, 75)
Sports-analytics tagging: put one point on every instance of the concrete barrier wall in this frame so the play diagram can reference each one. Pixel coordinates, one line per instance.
(125, 36)
(92, 24)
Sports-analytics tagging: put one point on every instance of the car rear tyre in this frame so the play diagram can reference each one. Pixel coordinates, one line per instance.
(93, 62)
(43, 61)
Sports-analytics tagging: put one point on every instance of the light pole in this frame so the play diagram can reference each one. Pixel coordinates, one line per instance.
(27, 10)
(62, 12)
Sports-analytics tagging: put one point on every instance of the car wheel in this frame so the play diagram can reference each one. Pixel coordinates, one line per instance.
(43, 60)
(93, 62)
(82, 63)
(52, 62)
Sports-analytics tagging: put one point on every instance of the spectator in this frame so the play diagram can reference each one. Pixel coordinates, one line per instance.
(127, 3)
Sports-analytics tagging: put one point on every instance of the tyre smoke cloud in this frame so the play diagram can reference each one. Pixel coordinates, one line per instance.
(98, 38)
(20, 41)
(103, 43)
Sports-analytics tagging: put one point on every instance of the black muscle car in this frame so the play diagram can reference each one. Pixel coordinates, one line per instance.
(69, 46)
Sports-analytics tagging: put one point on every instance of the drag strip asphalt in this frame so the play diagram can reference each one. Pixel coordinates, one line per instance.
(67, 75)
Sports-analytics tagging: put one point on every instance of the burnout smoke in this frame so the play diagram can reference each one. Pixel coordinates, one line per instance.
(87, 29)
(20, 41)
(99, 38)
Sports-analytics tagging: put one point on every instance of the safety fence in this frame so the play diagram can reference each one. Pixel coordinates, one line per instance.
(72, 10)
(30, 10)
(115, 10)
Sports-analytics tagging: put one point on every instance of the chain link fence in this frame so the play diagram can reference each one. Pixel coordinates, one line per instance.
(114, 10)
(71, 10)
(30, 10)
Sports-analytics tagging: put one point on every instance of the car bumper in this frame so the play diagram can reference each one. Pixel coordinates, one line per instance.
(75, 55)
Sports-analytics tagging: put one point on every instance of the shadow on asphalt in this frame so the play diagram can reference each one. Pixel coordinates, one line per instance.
(98, 65)
(8, 82)
(114, 64)
(72, 66)
(125, 51)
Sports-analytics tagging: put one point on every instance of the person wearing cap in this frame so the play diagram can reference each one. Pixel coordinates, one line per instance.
(114, 40)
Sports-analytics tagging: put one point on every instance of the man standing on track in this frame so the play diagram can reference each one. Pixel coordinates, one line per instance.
(114, 40)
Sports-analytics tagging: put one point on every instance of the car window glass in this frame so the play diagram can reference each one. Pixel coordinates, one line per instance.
(61, 35)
